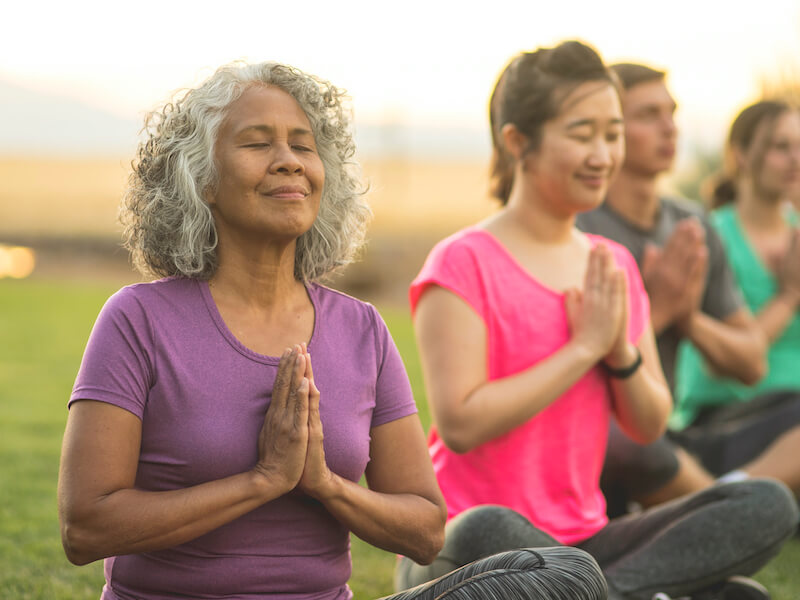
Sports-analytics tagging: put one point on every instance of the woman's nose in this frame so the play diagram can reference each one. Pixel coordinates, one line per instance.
(286, 161)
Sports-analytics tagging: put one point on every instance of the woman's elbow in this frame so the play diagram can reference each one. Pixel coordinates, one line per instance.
(429, 550)
(457, 441)
(77, 544)
(431, 539)
(754, 373)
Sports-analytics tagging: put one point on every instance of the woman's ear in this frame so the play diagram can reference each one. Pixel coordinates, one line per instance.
(514, 141)
(740, 159)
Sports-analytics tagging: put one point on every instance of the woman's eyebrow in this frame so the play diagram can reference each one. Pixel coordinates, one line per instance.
(591, 122)
(270, 129)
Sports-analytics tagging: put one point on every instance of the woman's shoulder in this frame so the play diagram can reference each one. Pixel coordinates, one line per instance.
(145, 298)
(332, 301)
(346, 317)
(148, 291)
(462, 245)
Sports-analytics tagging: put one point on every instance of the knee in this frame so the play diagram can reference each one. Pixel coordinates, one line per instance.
(485, 530)
(765, 503)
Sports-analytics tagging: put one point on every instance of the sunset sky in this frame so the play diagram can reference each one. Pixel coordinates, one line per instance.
(420, 62)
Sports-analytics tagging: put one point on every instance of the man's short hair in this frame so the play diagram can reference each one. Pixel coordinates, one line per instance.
(631, 74)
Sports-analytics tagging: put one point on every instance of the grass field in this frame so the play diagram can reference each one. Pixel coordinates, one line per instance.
(43, 329)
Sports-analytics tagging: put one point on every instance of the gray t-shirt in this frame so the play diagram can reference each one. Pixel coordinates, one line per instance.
(721, 297)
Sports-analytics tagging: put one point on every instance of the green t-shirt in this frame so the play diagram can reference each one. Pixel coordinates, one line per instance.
(696, 387)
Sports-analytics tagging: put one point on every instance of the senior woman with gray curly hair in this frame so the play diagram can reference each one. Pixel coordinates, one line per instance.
(194, 461)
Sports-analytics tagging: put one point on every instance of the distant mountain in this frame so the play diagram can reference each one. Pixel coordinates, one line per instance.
(37, 123)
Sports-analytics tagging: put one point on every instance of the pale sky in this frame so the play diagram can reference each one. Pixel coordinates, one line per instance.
(414, 61)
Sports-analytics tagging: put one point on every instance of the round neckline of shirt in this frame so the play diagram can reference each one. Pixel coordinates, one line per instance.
(593, 239)
(222, 327)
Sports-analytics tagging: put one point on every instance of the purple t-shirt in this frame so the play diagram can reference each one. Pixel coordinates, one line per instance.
(162, 351)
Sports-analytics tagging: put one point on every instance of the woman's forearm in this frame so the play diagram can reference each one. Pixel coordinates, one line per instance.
(129, 521)
(776, 316)
(495, 407)
(402, 523)
(642, 405)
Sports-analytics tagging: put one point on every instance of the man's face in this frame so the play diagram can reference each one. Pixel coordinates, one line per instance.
(650, 132)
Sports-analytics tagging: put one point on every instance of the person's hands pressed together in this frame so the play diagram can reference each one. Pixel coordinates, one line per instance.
(283, 440)
(674, 276)
(317, 477)
(598, 313)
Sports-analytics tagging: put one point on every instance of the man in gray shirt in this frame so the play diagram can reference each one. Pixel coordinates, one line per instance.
(692, 291)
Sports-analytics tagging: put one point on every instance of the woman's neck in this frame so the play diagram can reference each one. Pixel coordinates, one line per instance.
(528, 214)
(259, 278)
(756, 212)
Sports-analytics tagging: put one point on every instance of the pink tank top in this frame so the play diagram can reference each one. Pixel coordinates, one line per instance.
(548, 468)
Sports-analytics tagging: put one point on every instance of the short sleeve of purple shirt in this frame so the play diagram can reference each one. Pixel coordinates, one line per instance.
(161, 351)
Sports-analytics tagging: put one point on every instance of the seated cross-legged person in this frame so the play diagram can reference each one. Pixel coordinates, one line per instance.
(753, 430)
(204, 457)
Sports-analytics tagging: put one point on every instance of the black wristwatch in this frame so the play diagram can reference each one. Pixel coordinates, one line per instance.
(624, 372)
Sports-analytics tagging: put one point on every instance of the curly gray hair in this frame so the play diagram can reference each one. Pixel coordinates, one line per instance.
(168, 225)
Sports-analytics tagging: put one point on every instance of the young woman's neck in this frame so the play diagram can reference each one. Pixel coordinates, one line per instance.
(635, 197)
(756, 211)
(527, 213)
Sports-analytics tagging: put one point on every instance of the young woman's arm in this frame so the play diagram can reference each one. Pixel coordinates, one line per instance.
(103, 514)
(470, 410)
(642, 402)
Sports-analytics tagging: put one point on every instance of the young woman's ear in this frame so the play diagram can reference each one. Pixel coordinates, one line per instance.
(740, 159)
(514, 141)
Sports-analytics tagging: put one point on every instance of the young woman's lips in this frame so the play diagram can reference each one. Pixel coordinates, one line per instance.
(289, 192)
(592, 181)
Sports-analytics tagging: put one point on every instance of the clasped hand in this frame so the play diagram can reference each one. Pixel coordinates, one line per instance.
(598, 314)
(675, 276)
(291, 452)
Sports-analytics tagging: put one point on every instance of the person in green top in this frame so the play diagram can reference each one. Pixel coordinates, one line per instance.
(753, 430)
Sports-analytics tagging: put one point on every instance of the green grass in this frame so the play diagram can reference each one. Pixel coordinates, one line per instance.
(43, 329)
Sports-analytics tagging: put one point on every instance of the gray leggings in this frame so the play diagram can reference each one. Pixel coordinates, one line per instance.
(679, 548)
(555, 573)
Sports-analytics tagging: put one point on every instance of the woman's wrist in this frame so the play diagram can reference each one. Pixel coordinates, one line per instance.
(624, 364)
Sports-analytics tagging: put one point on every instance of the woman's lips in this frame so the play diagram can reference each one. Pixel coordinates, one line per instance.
(592, 181)
(291, 192)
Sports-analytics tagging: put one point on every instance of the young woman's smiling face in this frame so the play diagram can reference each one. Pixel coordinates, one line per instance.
(580, 151)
